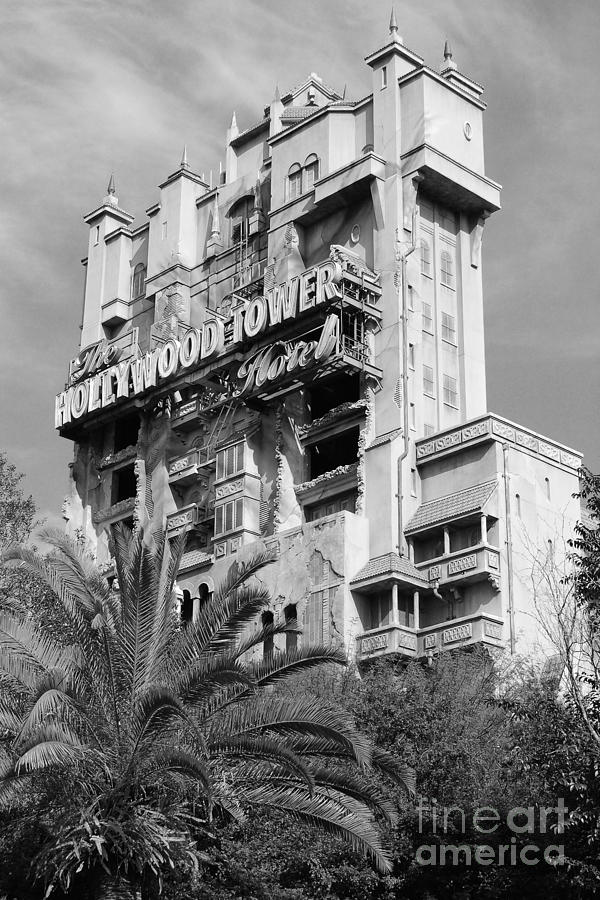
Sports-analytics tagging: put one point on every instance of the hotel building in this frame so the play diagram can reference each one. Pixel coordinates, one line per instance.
(312, 327)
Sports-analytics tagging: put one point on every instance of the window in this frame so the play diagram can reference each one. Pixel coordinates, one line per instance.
(96, 235)
(428, 382)
(124, 484)
(411, 355)
(547, 485)
(450, 393)
(464, 536)
(267, 622)
(126, 432)
(346, 502)
(379, 609)
(518, 501)
(425, 259)
(204, 594)
(311, 171)
(138, 287)
(291, 637)
(447, 269)
(230, 461)
(448, 328)
(413, 416)
(413, 482)
(164, 231)
(383, 77)
(294, 181)
(229, 516)
(186, 609)
(427, 318)
(239, 216)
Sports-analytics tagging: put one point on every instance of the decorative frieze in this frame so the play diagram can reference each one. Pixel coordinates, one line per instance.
(493, 560)
(180, 464)
(407, 640)
(226, 490)
(435, 573)
(500, 429)
(430, 641)
(462, 564)
(183, 519)
(220, 549)
(458, 633)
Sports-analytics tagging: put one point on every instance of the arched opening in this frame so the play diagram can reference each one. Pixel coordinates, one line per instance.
(204, 594)
(447, 269)
(268, 643)
(187, 608)
(291, 637)
(311, 171)
(294, 179)
(425, 259)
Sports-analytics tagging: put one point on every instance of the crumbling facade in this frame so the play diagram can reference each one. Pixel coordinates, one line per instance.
(312, 327)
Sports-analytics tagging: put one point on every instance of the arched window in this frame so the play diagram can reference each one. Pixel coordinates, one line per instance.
(547, 485)
(311, 171)
(447, 269)
(138, 288)
(425, 259)
(518, 500)
(294, 181)
(204, 593)
(291, 637)
(239, 216)
(267, 620)
(187, 608)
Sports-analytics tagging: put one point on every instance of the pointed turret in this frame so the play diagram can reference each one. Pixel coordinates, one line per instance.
(394, 27)
(111, 198)
(214, 245)
(184, 164)
(448, 64)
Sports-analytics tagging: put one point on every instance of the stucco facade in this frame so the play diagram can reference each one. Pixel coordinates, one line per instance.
(312, 329)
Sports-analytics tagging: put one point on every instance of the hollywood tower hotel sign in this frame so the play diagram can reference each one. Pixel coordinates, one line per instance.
(316, 324)
(98, 378)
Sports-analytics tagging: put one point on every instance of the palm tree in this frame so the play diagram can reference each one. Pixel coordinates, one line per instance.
(133, 741)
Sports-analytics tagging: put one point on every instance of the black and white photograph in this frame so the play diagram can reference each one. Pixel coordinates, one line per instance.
(300, 450)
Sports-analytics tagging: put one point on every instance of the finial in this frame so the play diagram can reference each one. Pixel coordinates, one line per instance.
(277, 96)
(394, 26)
(111, 198)
(448, 61)
(184, 160)
(215, 231)
(344, 92)
(233, 121)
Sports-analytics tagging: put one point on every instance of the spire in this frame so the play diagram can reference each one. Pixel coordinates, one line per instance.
(111, 198)
(394, 27)
(448, 61)
(344, 92)
(277, 96)
(184, 164)
(233, 122)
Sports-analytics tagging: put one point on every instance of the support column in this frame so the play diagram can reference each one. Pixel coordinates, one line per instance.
(416, 611)
(395, 608)
(483, 529)
(446, 540)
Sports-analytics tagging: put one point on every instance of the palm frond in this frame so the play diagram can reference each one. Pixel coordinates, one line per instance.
(240, 572)
(395, 769)
(181, 760)
(281, 665)
(357, 786)
(262, 634)
(47, 754)
(331, 810)
(26, 651)
(260, 748)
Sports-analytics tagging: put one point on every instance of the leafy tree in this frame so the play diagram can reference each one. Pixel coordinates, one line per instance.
(141, 737)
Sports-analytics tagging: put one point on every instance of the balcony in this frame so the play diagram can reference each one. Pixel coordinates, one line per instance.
(478, 563)
(466, 631)
(188, 517)
(186, 469)
(388, 639)
(479, 628)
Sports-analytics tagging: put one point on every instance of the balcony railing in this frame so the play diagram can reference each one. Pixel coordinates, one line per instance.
(189, 516)
(474, 564)
(478, 628)
(388, 639)
(187, 468)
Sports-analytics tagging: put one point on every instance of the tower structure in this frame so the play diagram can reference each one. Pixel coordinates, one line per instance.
(312, 326)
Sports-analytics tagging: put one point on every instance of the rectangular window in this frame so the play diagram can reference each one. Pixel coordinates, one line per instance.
(427, 318)
(164, 231)
(450, 392)
(411, 298)
(313, 617)
(97, 235)
(428, 382)
(448, 328)
(229, 516)
(384, 77)
(230, 461)
(413, 416)
(411, 355)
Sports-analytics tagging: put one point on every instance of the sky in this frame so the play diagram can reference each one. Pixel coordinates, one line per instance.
(91, 88)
